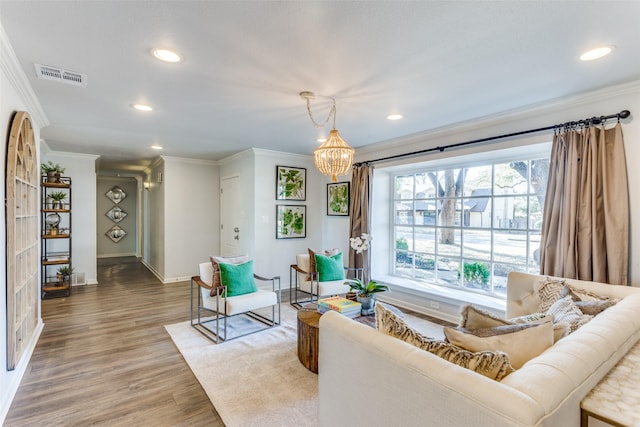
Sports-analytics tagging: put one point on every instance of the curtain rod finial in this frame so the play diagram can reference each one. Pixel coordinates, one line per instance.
(624, 114)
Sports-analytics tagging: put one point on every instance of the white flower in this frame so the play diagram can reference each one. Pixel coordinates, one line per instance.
(360, 244)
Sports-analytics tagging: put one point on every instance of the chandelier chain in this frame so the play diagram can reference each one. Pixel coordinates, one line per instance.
(332, 112)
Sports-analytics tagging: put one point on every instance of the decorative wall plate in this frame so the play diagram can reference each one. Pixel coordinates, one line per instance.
(116, 194)
(116, 233)
(116, 214)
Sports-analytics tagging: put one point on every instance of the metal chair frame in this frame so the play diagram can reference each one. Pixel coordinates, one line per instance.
(202, 325)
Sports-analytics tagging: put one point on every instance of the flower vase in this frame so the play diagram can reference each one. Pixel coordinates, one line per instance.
(368, 304)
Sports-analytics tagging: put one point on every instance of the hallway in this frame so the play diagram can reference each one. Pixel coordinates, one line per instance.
(104, 357)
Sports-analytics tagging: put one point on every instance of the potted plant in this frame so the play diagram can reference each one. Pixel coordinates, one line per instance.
(64, 274)
(52, 170)
(366, 294)
(58, 197)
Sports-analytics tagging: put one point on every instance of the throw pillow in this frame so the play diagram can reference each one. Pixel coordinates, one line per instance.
(566, 310)
(522, 342)
(494, 365)
(550, 291)
(238, 278)
(560, 329)
(215, 260)
(595, 307)
(476, 318)
(330, 267)
(533, 317)
(312, 257)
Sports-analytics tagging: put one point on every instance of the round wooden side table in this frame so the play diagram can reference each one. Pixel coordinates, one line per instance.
(308, 338)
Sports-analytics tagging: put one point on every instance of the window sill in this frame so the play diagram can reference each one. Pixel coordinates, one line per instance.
(425, 294)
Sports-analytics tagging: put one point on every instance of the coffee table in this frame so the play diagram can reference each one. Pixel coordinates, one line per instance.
(616, 400)
(308, 333)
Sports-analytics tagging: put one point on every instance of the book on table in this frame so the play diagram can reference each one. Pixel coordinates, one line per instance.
(351, 314)
(339, 304)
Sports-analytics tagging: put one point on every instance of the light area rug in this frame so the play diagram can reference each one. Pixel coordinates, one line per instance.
(257, 380)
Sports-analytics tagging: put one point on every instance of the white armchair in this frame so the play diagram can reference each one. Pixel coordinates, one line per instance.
(302, 279)
(221, 307)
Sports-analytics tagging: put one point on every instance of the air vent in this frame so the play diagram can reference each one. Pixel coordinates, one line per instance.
(59, 75)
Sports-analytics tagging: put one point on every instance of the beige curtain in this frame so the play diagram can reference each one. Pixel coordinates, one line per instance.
(359, 212)
(585, 232)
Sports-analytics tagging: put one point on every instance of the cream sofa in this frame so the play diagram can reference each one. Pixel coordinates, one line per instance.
(367, 378)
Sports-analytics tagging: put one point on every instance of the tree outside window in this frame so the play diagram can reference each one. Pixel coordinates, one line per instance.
(469, 226)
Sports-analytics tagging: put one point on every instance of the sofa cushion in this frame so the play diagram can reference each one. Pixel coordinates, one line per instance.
(521, 342)
(494, 365)
(550, 291)
(472, 317)
(594, 307)
(566, 310)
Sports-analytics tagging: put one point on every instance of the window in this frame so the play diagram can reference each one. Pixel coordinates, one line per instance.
(469, 226)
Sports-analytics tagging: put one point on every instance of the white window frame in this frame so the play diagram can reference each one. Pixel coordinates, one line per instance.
(528, 152)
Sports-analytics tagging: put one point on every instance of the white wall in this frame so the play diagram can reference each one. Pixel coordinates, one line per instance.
(154, 244)
(81, 168)
(191, 215)
(15, 95)
(273, 257)
(257, 171)
(128, 245)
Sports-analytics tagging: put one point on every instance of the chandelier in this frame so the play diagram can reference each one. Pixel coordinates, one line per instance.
(334, 157)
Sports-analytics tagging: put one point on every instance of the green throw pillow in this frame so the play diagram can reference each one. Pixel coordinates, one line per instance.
(238, 278)
(329, 267)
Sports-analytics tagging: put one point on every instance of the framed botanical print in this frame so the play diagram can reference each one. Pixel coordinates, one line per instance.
(291, 221)
(338, 199)
(291, 183)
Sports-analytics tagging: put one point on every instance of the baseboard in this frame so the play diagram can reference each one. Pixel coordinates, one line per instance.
(152, 270)
(170, 280)
(116, 255)
(15, 376)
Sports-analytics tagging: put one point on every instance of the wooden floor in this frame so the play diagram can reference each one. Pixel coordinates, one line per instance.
(104, 357)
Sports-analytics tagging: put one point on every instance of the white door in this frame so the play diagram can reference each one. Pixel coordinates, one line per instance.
(230, 218)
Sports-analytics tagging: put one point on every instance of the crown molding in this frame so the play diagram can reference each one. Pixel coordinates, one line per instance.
(10, 66)
(190, 160)
(489, 121)
(73, 155)
(280, 154)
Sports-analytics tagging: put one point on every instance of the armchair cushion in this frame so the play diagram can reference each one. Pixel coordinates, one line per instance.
(238, 278)
(329, 267)
(312, 258)
(215, 260)
(251, 301)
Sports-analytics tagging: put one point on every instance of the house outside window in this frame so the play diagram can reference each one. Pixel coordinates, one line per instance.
(467, 227)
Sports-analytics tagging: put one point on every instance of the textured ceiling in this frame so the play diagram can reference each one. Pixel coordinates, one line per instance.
(435, 62)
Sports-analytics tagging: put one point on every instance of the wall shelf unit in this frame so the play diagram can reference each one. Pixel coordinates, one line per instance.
(56, 237)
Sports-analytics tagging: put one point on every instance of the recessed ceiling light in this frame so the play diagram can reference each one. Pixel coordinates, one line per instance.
(394, 116)
(321, 140)
(596, 53)
(156, 147)
(142, 107)
(166, 55)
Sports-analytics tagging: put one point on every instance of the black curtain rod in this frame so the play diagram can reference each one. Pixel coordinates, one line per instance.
(586, 122)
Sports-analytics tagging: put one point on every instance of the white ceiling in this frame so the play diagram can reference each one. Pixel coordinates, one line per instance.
(435, 62)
